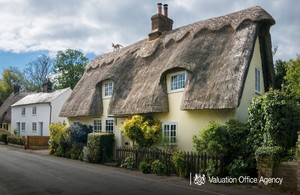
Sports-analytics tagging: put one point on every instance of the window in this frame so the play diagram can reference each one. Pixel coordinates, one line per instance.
(109, 125)
(170, 133)
(97, 125)
(34, 128)
(108, 89)
(23, 111)
(23, 127)
(177, 81)
(257, 80)
(34, 110)
(76, 123)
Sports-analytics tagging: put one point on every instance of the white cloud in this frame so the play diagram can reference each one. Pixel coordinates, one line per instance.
(92, 25)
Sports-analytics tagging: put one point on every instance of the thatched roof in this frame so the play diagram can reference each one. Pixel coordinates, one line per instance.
(215, 52)
(40, 98)
(5, 109)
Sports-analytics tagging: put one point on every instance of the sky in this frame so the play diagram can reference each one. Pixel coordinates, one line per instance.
(29, 28)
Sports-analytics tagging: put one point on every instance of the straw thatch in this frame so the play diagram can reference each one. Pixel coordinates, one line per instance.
(5, 109)
(216, 54)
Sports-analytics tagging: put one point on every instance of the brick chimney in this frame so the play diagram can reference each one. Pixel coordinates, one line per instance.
(16, 89)
(47, 86)
(160, 22)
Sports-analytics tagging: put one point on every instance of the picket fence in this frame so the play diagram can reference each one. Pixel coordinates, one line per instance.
(195, 162)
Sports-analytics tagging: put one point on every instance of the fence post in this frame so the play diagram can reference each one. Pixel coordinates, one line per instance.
(298, 166)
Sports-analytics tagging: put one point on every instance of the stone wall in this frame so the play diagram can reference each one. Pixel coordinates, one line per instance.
(287, 171)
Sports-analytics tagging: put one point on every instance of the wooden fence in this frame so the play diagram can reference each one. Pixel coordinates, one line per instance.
(194, 162)
(37, 142)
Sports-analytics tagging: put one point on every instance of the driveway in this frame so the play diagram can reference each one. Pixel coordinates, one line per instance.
(23, 172)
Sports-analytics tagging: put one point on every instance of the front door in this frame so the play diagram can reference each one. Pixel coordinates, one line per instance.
(18, 129)
(41, 127)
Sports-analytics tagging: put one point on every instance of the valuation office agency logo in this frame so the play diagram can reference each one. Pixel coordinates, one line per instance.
(200, 179)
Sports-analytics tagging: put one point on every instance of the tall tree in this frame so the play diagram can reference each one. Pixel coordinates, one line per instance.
(69, 66)
(280, 72)
(10, 77)
(37, 71)
(292, 77)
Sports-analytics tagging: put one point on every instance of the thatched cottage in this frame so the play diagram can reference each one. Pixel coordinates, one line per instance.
(5, 109)
(186, 77)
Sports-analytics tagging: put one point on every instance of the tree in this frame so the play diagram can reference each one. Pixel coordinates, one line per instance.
(69, 66)
(280, 73)
(10, 77)
(292, 77)
(37, 71)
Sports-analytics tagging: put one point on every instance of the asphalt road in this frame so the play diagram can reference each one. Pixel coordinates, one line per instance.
(27, 173)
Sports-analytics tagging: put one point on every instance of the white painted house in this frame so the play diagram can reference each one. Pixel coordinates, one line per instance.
(33, 114)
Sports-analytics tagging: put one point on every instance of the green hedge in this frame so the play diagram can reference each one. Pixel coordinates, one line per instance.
(16, 140)
(99, 147)
(3, 136)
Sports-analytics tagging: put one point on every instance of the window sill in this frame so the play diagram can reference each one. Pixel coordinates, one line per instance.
(106, 97)
(257, 92)
(176, 91)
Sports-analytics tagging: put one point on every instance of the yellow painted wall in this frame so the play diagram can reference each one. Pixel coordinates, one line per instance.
(190, 122)
(119, 137)
(249, 88)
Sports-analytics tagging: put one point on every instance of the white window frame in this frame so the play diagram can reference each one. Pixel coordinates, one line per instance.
(23, 111)
(34, 110)
(97, 128)
(257, 78)
(34, 127)
(23, 126)
(177, 83)
(106, 125)
(108, 88)
(169, 139)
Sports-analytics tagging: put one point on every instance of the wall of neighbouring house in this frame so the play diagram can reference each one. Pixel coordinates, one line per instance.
(57, 104)
(249, 88)
(190, 122)
(42, 115)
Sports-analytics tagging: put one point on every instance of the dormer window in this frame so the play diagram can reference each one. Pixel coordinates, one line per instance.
(177, 81)
(108, 89)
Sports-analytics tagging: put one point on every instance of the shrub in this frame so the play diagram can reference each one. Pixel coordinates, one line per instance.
(127, 163)
(229, 140)
(212, 168)
(100, 147)
(79, 133)
(3, 136)
(57, 131)
(144, 131)
(16, 140)
(211, 139)
(145, 167)
(76, 151)
(238, 167)
(274, 120)
(179, 163)
(158, 167)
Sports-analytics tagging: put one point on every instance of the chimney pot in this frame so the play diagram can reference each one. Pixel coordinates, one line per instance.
(166, 10)
(159, 8)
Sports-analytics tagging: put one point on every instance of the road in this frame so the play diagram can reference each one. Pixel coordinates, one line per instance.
(28, 173)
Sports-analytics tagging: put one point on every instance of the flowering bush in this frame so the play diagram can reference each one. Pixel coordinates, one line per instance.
(144, 131)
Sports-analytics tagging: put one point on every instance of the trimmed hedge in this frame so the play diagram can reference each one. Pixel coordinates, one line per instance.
(99, 147)
(16, 140)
